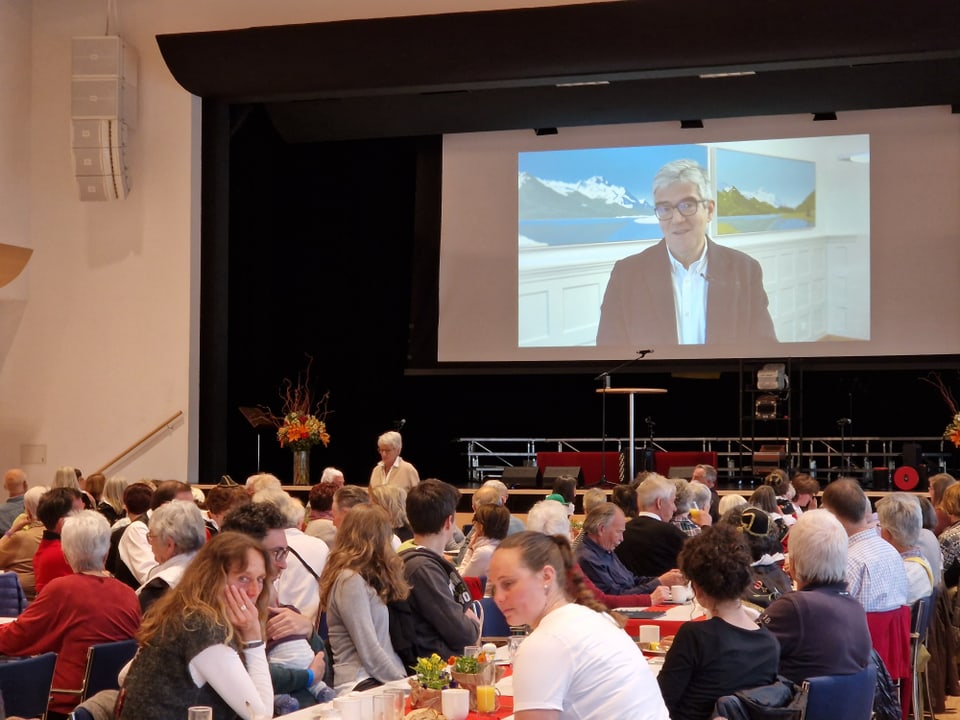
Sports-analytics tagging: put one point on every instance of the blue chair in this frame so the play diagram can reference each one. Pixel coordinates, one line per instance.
(12, 599)
(494, 623)
(25, 685)
(104, 663)
(850, 697)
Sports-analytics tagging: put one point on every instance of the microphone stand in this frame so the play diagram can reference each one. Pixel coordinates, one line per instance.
(605, 377)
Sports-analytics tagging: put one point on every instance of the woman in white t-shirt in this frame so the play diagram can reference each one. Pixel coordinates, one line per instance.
(577, 662)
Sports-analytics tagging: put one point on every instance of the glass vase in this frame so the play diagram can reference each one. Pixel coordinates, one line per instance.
(301, 467)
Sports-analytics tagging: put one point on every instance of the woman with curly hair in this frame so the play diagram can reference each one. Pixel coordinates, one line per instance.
(362, 574)
(202, 642)
(603, 673)
(727, 652)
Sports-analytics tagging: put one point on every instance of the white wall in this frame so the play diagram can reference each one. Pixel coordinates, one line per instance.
(98, 337)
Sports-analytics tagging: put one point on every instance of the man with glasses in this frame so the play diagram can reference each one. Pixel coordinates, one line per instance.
(686, 289)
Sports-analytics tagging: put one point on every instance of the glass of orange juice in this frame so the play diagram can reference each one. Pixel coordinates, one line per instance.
(487, 701)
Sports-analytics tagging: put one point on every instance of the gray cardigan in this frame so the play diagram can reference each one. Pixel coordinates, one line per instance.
(359, 627)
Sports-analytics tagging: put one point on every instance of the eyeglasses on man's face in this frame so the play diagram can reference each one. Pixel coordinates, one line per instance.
(280, 553)
(687, 207)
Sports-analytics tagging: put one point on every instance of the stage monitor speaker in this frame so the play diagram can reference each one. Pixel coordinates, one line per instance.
(521, 477)
(552, 473)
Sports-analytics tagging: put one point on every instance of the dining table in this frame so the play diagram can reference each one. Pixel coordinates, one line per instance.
(668, 618)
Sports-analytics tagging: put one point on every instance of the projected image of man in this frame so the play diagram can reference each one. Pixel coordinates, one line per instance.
(686, 289)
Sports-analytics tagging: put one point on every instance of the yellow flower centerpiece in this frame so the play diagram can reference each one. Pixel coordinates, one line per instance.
(303, 423)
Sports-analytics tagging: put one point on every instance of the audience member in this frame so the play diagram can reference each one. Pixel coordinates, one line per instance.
(929, 545)
(765, 498)
(566, 487)
(298, 585)
(53, 509)
(938, 486)
(683, 503)
(490, 524)
(728, 652)
(807, 489)
(15, 483)
(728, 502)
(516, 524)
(950, 536)
(332, 476)
(875, 574)
(482, 496)
(439, 598)
(74, 611)
(650, 543)
(602, 532)
(176, 534)
(345, 498)
(20, 542)
(900, 520)
(203, 642)
(769, 579)
(93, 485)
(111, 501)
(223, 498)
(362, 575)
(625, 497)
(392, 469)
(393, 500)
(262, 481)
(134, 549)
(703, 506)
(320, 523)
(550, 518)
(603, 673)
(136, 503)
(822, 629)
(707, 475)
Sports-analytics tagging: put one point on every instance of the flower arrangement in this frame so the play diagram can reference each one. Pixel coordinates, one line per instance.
(303, 423)
(952, 431)
(432, 672)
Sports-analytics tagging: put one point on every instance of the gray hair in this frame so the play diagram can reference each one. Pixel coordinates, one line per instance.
(592, 498)
(701, 495)
(289, 507)
(31, 498)
(709, 471)
(900, 515)
(684, 497)
(499, 486)
(654, 487)
(66, 477)
(486, 495)
(818, 548)
(391, 438)
(729, 502)
(683, 171)
(601, 516)
(86, 539)
(332, 475)
(181, 522)
(262, 481)
(549, 517)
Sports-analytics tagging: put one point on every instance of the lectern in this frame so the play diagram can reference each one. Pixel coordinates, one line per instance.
(630, 393)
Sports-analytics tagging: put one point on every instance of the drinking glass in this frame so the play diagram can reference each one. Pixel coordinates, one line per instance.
(200, 712)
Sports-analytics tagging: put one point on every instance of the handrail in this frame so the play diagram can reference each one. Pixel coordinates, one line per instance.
(140, 442)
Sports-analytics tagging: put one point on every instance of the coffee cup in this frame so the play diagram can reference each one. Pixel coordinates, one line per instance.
(680, 594)
(455, 703)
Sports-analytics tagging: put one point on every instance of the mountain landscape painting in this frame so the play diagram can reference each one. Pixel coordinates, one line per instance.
(593, 195)
(763, 193)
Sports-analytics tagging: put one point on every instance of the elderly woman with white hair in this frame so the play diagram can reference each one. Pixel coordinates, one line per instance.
(392, 469)
(900, 522)
(177, 532)
(75, 611)
(822, 629)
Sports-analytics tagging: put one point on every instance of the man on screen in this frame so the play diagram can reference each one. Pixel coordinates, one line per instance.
(686, 289)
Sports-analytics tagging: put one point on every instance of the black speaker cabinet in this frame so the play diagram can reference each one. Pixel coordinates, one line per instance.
(553, 472)
(521, 477)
